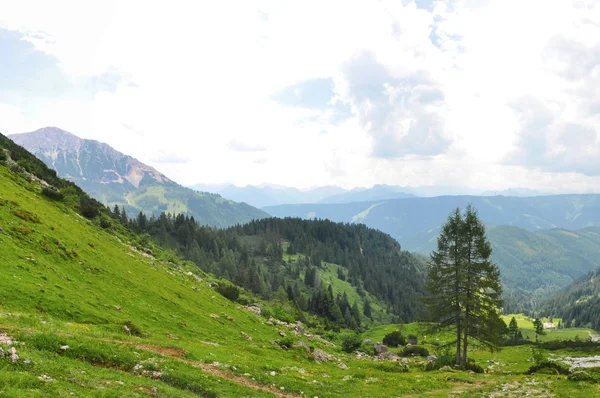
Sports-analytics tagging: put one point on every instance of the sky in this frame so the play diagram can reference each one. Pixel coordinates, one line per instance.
(484, 94)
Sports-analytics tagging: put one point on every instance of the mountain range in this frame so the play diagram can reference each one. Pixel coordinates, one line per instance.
(118, 179)
(415, 222)
(266, 195)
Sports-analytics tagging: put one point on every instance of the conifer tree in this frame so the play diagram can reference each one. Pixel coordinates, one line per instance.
(513, 327)
(464, 285)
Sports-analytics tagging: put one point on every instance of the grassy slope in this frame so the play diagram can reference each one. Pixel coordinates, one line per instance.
(51, 296)
(84, 299)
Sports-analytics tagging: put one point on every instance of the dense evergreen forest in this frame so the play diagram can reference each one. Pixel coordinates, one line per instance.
(252, 256)
(578, 304)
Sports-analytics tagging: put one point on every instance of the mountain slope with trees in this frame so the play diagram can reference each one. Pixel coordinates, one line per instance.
(253, 256)
(578, 304)
(115, 178)
(536, 264)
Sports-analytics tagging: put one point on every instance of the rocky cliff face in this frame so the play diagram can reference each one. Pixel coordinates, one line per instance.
(88, 160)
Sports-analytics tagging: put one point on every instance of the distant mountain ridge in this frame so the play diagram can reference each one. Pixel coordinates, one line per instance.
(415, 222)
(267, 195)
(377, 192)
(270, 195)
(115, 178)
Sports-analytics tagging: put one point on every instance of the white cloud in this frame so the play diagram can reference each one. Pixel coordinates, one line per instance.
(436, 103)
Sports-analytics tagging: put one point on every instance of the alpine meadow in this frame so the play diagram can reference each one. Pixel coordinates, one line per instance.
(300, 199)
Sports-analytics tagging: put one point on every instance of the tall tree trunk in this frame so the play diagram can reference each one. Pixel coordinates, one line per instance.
(458, 313)
(458, 337)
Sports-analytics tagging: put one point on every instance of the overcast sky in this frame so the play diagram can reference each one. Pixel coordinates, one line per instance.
(475, 93)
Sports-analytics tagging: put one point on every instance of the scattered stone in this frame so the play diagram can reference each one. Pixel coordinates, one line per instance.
(118, 307)
(27, 361)
(46, 379)
(388, 356)
(282, 333)
(412, 340)
(273, 373)
(346, 378)
(301, 344)
(247, 336)
(64, 347)
(342, 365)
(380, 349)
(213, 284)
(321, 356)
(432, 358)
(369, 342)
(6, 340)
(299, 327)
(214, 316)
(127, 330)
(446, 368)
(226, 316)
(253, 308)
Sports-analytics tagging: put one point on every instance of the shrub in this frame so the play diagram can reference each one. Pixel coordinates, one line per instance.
(549, 365)
(472, 366)
(229, 291)
(287, 342)
(88, 207)
(445, 357)
(134, 329)
(394, 339)
(580, 375)
(351, 342)
(3, 156)
(562, 344)
(52, 193)
(413, 350)
(367, 348)
(391, 367)
(105, 222)
(412, 339)
(538, 355)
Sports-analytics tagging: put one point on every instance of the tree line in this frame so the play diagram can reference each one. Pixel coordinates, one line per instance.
(252, 256)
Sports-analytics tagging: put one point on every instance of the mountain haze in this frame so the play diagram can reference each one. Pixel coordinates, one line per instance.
(271, 195)
(377, 192)
(415, 222)
(118, 179)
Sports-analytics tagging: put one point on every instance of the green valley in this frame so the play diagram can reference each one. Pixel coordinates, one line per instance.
(94, 306)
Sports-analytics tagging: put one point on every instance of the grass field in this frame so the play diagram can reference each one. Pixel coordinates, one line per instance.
(97, 317)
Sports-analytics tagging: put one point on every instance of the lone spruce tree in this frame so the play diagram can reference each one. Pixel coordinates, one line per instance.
(463, 284)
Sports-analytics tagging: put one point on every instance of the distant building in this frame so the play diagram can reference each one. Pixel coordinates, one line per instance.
(549, 326)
